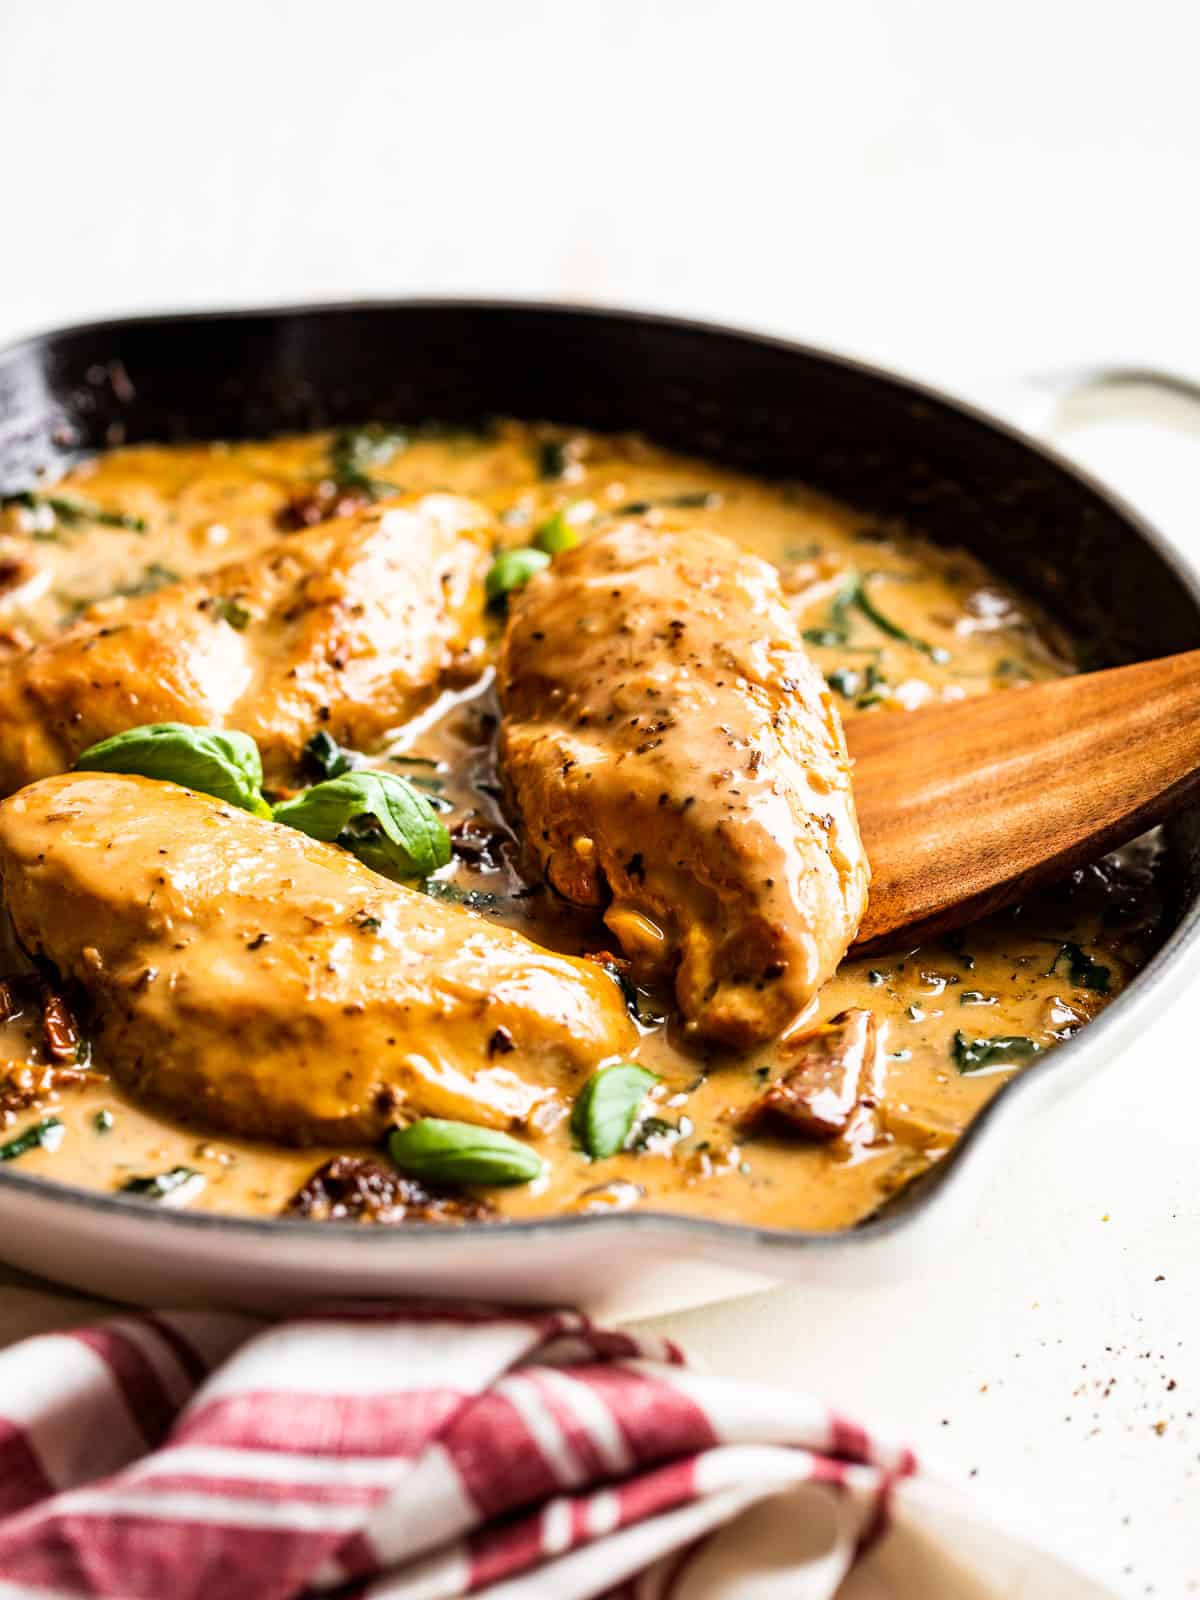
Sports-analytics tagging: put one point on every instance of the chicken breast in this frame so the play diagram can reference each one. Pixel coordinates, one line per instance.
(351, 626)
(253, 979)
(674, 757)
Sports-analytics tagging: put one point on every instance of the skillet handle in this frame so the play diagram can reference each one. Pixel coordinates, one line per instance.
(1136, 428)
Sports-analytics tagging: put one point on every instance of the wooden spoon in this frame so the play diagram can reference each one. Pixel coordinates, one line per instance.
(967, 806)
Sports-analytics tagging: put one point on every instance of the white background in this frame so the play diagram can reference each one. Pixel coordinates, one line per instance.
(968, 192)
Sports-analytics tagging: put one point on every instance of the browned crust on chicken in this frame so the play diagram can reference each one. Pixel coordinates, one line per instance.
(254, 979)
(351, 626)
(676, 761)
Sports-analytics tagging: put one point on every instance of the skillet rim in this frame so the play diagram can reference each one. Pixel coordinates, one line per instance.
(948, 1175)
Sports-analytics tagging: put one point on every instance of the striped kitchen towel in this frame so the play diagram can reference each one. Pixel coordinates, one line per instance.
(429, 1451)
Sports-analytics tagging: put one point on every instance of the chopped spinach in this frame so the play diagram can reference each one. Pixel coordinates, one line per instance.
(972, 1055)
(837, 629)
(1013, 671)
(179, 1181)
(473, 899)
(631, 995)
(413, 761)
(690, 500)
(855, 596)
(654, 1128)
(46, 1134)
(845, 681)
(355, 450)
(1083, 971)
(155, 576)
(72, 513)
(553, 459)
(873, 682)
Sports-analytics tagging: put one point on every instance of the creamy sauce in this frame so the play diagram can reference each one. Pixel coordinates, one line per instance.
(937, 625)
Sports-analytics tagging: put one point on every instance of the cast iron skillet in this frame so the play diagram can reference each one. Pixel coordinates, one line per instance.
(763, 405)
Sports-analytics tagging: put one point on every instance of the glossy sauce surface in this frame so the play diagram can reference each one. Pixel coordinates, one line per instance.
(892, 621)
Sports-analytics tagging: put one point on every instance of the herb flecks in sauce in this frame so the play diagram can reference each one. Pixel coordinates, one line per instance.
(354, 452)
(73, 513)
(1082, 970)
(177, 1185)
(973, 1055)
(855, 595)
(44, 1135)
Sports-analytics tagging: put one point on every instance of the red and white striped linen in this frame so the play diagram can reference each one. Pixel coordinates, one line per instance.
(429, 1451)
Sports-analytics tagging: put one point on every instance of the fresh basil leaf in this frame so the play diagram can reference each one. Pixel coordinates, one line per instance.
(326, 757)
(180, 1183)
(555, 535)
(459, 1152)
(390, 826)
(46, 1134)
(972, 1055)
(607, 1107)
(1083, 971)
(511, 570)
(223, 763)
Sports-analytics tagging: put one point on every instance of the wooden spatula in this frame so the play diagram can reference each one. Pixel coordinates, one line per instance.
(965, 807)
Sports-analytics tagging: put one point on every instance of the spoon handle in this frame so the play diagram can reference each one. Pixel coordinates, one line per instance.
(965, 807)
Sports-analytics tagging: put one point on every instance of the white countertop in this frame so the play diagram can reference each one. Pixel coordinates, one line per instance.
(968, 193)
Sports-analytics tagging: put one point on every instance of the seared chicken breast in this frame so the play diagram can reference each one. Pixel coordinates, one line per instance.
(253, 979)
(351, 626)
(675, 759)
